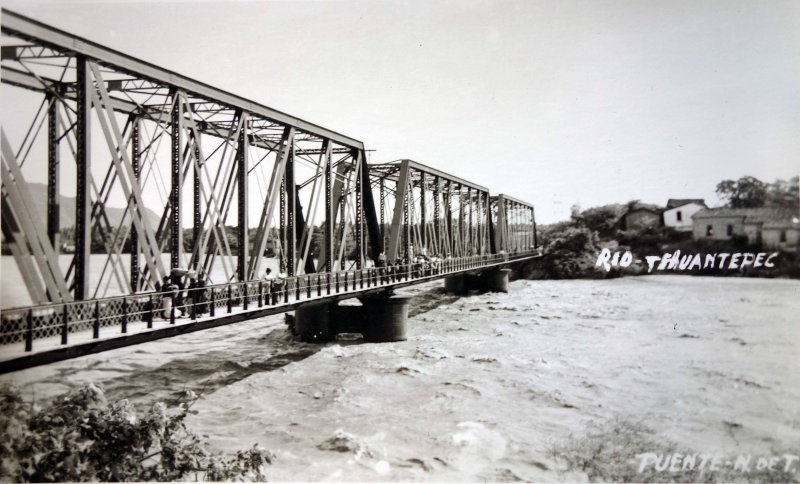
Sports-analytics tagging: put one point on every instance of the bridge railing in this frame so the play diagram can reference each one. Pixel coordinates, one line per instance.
(84, 321)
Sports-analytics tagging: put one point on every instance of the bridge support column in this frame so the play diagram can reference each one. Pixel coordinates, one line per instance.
(456, 284)
(497, 280)
(313, 321)
(385, 318)
(380, 318)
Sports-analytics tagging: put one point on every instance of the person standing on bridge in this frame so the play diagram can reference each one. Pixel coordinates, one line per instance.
(197, 291)
(169, 292)
(272, 294)
(177, 281)
(381, 265)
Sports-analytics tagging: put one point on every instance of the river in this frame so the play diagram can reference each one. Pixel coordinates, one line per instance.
(487, 385)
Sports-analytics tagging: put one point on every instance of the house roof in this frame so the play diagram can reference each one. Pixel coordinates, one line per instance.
(679, 202)
(643, 209)
(768, 217)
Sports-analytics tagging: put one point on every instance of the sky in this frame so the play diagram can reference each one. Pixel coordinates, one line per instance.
(553, 102)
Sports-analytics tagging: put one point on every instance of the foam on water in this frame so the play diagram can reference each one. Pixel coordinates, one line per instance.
(485, 384)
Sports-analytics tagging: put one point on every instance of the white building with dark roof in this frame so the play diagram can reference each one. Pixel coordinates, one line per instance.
(679, 211)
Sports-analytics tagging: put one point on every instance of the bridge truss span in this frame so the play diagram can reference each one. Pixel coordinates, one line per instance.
(188, 162)
(121, 179)
(425, 212)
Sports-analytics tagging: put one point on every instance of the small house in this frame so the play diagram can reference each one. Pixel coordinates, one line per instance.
(774, 228)
(679, 211)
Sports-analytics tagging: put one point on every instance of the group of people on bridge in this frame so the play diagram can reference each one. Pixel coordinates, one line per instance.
(178, 299)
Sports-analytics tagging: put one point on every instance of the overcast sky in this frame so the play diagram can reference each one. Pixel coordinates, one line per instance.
(556, 102)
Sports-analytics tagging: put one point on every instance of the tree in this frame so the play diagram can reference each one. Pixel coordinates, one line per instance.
(750, 192)
(784, 194)
(746, 192)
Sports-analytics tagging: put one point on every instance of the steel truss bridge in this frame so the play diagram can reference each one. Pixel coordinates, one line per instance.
(146, 171)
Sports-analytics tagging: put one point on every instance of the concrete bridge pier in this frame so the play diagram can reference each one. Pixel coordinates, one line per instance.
(385, 318)
(497, 280)
(380, 318)
(313, 321)
(456, 284)
(493, 280)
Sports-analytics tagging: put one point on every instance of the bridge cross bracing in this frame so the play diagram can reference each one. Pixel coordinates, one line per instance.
(167, 173)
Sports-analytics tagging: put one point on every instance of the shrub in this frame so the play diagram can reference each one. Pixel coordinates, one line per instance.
(81, 437)
(570, 252)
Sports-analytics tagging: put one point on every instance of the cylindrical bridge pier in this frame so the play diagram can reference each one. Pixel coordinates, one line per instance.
(380, 318)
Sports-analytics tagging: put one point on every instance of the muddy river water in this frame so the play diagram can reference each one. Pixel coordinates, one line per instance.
(486, 384)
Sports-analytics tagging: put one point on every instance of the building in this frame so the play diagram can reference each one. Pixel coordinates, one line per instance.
(772, 228)
(679, 211)
(639, 218)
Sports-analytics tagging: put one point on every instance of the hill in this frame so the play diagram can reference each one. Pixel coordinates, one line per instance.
(67, 209)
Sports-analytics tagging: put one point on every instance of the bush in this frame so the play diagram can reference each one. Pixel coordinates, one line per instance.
(570, 252)
(81, 437)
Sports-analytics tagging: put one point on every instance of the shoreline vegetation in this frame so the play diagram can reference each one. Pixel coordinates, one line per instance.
(573, 247)
(81, 436)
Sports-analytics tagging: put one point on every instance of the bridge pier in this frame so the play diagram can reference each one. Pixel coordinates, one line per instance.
(497, 280)
(456, 284)
(385, 318)
(380, 318)
(493, 280)
(312, 321)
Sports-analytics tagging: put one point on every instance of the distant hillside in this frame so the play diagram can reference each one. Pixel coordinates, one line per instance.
(67, 209)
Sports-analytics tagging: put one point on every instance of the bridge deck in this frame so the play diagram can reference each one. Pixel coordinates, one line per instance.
(49, 333)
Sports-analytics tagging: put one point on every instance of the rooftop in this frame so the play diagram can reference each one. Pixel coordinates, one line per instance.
(769, 217)
(679, 202)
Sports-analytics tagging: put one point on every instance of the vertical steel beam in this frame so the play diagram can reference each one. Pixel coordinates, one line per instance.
(382, 194)
(53, 166)
(197, 221)
(176, 236)
(330, 215)
(83, 231)
(533, 222)
(242, 255)
(461, 239)
(507, 226)
(491, 227)
(282, 219)
(481, 245)
(437, 222)
(135, 161)
(407, 199)
(423, 221)
(291, 226)
(470, 238)
(359, 215)
(448, 209)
